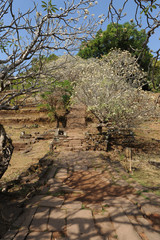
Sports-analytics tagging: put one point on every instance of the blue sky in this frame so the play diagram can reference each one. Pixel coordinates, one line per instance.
(100, 8)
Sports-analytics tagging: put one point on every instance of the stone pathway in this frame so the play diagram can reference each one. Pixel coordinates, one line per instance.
(84, 198)
(62, 210)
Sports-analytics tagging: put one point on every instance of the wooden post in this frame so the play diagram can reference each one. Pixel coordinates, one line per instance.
(128, 154)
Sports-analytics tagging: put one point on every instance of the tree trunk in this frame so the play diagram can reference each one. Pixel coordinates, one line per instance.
(6, 150)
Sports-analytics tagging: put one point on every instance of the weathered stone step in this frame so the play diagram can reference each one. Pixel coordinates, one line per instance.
(22, 112)
(75, 142)
(23, 120)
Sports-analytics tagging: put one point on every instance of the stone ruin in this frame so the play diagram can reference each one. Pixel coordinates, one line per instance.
(6, 150)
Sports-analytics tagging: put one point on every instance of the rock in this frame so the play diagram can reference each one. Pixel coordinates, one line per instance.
(25, 136)
(6, 150)
(59, 131)
(44, 136)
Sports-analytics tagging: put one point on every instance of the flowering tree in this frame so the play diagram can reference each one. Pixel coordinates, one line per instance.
(110, 87)
(24, 35)
(32, 33)
(146, 14)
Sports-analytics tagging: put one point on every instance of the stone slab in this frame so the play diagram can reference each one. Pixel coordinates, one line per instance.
(72, 206)
(148, 230)
(80, 225)
(104, 224)
(51, 172)
(57, 220)
(34, 201)
(25, 219)
(40, 220)
(62, 173)
(10, 234)
(122, 224)
(130, 208)
(21, 234)
(149, 209)
(39, 236)
(51, 201)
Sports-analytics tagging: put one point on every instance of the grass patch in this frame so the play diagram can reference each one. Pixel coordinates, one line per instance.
(124, 177)
(58, 194)
(83, 206)
(157, 192)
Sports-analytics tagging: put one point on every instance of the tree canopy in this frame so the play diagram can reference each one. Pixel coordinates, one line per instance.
(110, 87)
(124, 36)
(30, 34)
(146, 14)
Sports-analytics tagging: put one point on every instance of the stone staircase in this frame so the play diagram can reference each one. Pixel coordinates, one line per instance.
(72, 138)
(76, 117)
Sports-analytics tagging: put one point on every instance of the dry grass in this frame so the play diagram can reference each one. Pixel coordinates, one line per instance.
(21, 161)
(145, 173)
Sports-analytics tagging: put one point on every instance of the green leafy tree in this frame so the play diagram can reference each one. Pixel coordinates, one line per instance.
(124, 36)
(154, 76)
(145, 13)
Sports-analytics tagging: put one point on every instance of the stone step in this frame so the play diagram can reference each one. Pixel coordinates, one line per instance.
(69, 148)
(25, 119)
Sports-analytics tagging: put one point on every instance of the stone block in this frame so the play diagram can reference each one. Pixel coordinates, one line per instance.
(148, 230)
(72, 206)
(21, 234)
(40, 220)
(122, 224)
(51, 201)
(57, 220)
(39, 236)
(10, 234)
(25, 219)
(104, 224)
(80, 225)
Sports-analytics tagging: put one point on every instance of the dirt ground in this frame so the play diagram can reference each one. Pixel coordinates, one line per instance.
(27, 151)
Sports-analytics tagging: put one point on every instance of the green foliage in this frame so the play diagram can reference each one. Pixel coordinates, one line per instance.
(57, 97)
(124, 36)
(49, 7)
(51, 57)
(154, 77)
(150, 8)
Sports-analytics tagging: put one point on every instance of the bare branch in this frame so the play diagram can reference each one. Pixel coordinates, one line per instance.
(31, 33)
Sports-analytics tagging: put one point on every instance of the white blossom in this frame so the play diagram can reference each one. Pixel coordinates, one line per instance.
(108, 86)
(101, 21)
(86, 11)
